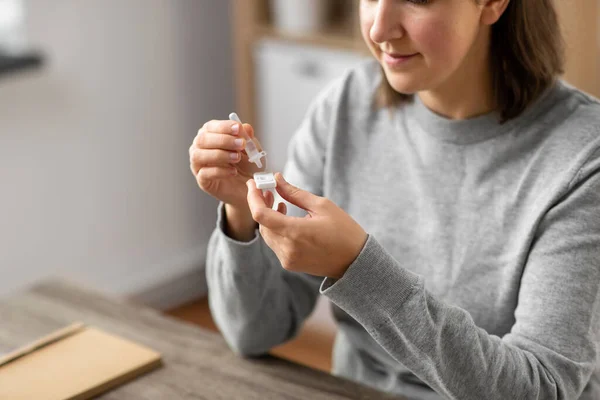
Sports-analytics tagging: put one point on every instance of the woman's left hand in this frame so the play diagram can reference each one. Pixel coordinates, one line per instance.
(324, 243)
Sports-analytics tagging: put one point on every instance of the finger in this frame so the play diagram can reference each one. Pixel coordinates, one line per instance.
(210, 140)
(282, 208)
(296, 196)
(269, 198)
(212, 157)
(261, 213)
(207, 174)
(227, 126)
(272, 239)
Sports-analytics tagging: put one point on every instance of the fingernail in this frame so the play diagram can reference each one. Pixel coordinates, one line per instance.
(234, 156)
(239, 143)
(235, 128)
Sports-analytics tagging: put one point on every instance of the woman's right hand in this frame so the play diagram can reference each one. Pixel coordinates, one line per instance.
(219, 162)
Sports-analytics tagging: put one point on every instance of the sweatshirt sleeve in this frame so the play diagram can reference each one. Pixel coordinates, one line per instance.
(550, 352)
(254, 301)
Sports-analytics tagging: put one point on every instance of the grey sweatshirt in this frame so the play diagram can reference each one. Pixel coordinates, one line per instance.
(481, 272)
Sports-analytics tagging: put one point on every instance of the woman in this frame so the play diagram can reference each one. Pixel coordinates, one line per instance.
(454, 222)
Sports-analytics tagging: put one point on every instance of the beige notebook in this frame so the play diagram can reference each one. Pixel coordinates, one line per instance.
(74, 363)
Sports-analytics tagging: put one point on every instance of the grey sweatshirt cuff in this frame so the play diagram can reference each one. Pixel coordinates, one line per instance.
(374, 280)
(240, 256)
(232, 243)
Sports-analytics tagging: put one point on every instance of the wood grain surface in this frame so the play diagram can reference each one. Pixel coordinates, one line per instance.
(197, 363)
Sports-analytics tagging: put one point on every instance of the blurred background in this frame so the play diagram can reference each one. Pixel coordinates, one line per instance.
(100, 100)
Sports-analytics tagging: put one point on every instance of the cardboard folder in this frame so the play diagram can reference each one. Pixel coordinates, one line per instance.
(74, 363)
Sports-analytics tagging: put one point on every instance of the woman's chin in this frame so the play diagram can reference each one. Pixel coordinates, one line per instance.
(404, 85)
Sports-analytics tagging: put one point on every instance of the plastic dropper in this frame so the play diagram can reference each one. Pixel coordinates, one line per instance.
(253, 154)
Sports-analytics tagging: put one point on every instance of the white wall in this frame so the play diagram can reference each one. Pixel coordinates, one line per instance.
(94, 147)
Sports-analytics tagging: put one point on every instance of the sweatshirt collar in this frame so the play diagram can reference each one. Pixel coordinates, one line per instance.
(471, 130)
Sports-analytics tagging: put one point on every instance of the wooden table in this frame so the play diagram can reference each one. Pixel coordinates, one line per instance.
(197, 363)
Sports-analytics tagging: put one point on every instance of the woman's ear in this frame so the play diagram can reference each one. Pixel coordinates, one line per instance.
(493, 10)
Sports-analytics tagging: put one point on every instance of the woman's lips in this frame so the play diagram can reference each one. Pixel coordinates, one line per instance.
(395, 60)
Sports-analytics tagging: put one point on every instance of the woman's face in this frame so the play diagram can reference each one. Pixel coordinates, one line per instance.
(437, 39)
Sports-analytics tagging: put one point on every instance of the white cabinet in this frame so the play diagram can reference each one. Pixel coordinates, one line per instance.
(288, 77)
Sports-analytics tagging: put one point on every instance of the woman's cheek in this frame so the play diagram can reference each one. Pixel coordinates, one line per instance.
(433, 38)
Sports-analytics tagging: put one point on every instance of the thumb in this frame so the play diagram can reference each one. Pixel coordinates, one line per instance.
(249, 130)
(298, 197)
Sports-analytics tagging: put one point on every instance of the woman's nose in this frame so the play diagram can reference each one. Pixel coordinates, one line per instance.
(386, 22)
